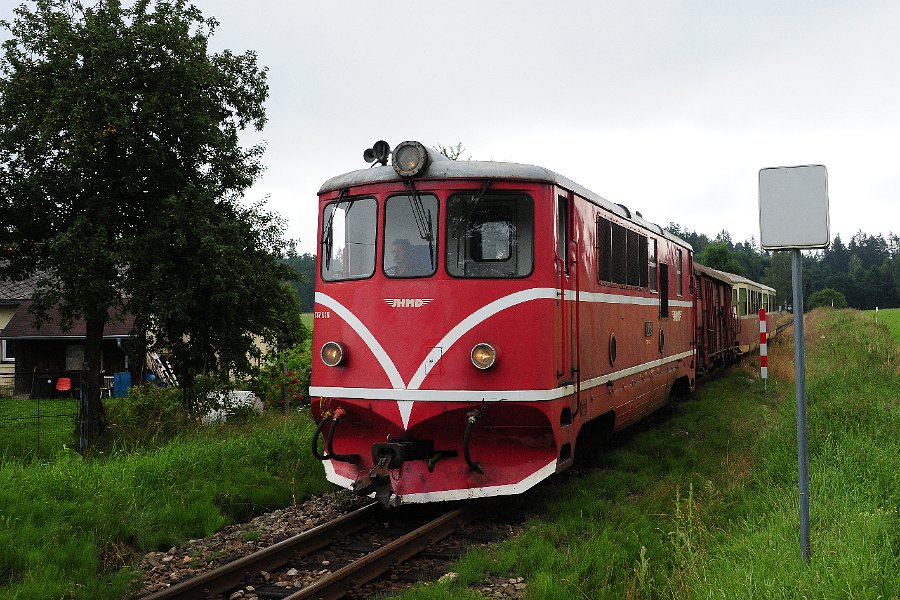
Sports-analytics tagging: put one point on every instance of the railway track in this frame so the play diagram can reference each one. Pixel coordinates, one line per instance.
(331, 585)
(784, 326)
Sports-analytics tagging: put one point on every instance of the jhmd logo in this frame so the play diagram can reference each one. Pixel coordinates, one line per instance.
(407, 302)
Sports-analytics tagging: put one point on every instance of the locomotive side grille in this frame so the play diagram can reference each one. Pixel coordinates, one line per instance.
(619, 256)
(623, 255)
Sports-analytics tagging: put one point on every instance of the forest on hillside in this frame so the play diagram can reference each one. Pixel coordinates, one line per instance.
(863, 273)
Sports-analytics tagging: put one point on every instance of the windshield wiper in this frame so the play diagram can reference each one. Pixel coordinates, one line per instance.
(422, 218)
(475, 203)
(326, 231)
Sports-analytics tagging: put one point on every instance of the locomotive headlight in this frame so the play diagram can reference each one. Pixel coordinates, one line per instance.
(484, 356)
(410, 159)
(332, 354)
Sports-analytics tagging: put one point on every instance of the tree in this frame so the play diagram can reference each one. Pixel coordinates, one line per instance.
(827, 297)
(779, 276)
(452, 152)
(717, 255)
(305, 265)
(121, 174)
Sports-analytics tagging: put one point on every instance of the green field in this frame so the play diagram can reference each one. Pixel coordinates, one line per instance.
(307, 319)
(890, 317)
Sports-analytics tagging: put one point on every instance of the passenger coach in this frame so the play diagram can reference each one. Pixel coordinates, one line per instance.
(471, 317)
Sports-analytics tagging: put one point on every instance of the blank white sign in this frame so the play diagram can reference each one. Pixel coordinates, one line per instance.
(793, 207)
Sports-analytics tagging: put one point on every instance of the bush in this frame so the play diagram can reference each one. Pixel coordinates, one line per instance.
(828, 297)
(269, 380)
(148, 416)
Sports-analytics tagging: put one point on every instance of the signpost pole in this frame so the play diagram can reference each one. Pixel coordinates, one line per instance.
(793, 215)
(800, 373)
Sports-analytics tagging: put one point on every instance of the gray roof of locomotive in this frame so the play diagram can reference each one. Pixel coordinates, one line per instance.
(439, 167)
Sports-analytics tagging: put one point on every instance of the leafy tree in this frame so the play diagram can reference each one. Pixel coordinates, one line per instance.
(723, 237)
(827, 297)
(305, 265)
(754, 263)
(779, 276)
(121, 175)
(717, 255)
(698, 241)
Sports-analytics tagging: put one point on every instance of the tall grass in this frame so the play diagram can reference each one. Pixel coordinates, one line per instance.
(36, 428)
(70, 528)
(701, 501)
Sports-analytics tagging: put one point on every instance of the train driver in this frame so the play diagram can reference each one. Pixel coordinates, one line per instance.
(407, 260)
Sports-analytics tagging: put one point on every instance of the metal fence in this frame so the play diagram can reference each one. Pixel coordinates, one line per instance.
(38, 414)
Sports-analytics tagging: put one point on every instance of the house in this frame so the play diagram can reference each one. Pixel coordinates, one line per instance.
(36, 357)
(12, 294)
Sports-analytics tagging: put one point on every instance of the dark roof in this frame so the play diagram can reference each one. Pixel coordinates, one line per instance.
(13, 292)
(21, 326)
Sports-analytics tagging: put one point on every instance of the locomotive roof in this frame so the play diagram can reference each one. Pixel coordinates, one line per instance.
(440, 167)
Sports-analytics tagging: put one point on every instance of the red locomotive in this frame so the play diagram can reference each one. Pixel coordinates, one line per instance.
(471, 317)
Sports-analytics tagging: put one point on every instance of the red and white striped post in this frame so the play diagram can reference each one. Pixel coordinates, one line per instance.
(763, 348)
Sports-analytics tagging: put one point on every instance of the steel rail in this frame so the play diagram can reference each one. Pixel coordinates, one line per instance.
(782, 327)
(230, 575)
(336, 585)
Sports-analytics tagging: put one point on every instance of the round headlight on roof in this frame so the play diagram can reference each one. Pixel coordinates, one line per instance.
(484, 356)
(410, 159)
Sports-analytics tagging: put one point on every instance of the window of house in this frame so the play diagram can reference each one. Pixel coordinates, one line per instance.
(4, 353)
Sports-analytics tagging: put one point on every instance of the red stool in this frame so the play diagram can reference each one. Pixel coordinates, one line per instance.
(64, 385)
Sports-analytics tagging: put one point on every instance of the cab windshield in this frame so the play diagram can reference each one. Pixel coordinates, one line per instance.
(348, 239)
(490, 236)
(410, 236)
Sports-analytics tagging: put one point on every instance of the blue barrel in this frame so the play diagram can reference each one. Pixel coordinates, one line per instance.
(121, 384)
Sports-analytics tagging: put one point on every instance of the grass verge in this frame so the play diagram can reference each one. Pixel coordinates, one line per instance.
(701, 500)
(70, 528)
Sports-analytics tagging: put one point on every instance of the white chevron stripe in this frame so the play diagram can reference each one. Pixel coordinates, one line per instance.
(406, 395)
(477, 317)
(383, 359)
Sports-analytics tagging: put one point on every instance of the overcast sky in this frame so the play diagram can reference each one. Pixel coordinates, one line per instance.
(670, 108)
